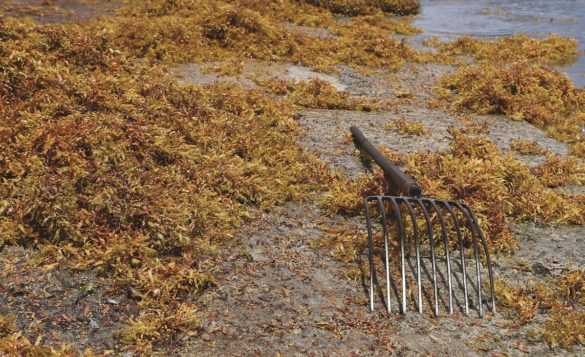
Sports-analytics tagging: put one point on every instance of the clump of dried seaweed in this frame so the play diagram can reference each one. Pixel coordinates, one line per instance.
(561, 300)
(12, 343)
(557, 171)
(382, 22)
(522, 91)
(407, 127)
(527, 147)
(578, 149)
(565, 326)
(7, 325)
(554, 49)
(400, 7)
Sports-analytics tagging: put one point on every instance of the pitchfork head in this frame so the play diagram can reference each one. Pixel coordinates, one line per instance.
(414, 231)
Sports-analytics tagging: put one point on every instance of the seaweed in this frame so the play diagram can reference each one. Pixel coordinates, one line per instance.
(140, 332)
(578, 149)
(560, 299)
(407, 127)
(216, 30)
(364, 7)
(7, 325)
(565, 327)
(522, 91)
(557, 171)
(12, 343)
(119, 169)
(553, 49)
(521, 301)
(527, 147)
(109, 165)
(400, 7)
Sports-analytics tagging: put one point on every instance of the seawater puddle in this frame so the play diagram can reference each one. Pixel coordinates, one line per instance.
(449, 19)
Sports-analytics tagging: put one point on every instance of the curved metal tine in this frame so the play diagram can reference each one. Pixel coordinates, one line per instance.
(370, 251)
(417, 250)
(487, 257)
(433, 260)
(474, 234)
(461, 252)
(386, 252)
(447, 255)
(402, 253)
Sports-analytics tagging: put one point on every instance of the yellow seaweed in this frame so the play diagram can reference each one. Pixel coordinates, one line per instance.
(522, 91)
(553, 49)
(407, 127)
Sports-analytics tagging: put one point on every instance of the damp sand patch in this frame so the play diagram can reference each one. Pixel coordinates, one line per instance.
(56, 305)
(550, 249)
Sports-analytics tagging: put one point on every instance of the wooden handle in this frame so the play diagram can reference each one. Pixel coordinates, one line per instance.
(403, 183)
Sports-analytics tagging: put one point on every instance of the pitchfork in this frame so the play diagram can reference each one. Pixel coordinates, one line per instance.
(463, 223)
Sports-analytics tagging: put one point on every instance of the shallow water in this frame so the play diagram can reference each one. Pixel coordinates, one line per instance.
(449, 19)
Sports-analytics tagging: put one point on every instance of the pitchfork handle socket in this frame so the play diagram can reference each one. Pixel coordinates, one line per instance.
(396, 178)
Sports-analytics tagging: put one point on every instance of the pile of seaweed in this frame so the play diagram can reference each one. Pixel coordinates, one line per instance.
(515, 80)
(114, 167)
(218, 30)
(562, 300)
(553, 49)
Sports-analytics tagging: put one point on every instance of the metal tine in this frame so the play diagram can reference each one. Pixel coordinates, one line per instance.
(462, 253)
(474, 234)
(477, 238)
(447, 255)
(386, 252)
(433, 260)
(417, 251)
(487, 256)
(402, 252)
(370, 251)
